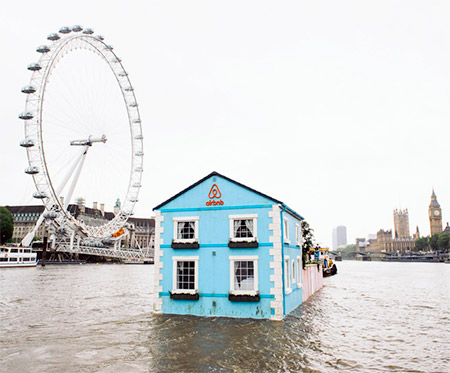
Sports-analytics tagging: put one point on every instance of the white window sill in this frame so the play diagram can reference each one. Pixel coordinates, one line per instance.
(244, 292)
(288, 291)
(287, 242)
(184, 291)
(299, 285)
(250, 239)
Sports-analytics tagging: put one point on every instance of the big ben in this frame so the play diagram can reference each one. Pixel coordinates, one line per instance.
(435, 215)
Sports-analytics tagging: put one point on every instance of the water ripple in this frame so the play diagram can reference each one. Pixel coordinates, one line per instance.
(379, 317)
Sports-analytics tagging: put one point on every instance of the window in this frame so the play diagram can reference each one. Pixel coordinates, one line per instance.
(287, 276)
(243, 227)
(185, 229)
(298, 235)
(299, 271)
(13, 259)
(3, 259)
(185, 275)
(286, 231)
(26, 259)
(293, 272)
(244, 275)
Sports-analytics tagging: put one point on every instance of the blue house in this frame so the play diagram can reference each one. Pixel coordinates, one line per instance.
(224, 249)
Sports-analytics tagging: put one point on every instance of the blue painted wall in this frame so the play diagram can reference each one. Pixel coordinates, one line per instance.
(214, 253)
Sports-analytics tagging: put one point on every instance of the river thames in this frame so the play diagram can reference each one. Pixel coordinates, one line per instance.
(372, 316)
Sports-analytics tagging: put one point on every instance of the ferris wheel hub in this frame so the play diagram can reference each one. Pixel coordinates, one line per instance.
(90, 140)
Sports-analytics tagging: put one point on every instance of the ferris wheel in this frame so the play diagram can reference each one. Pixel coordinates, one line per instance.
(83, 130)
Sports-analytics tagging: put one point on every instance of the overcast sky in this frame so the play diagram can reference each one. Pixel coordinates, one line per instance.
(341, 109)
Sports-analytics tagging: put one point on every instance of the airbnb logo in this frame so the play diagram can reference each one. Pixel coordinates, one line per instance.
(214, 193)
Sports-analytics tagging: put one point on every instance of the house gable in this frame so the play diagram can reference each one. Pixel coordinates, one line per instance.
(216, 191)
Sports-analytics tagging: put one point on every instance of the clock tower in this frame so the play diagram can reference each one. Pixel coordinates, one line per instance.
(435, 215)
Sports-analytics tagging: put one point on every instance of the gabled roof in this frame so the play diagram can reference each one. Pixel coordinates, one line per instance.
(214, 173)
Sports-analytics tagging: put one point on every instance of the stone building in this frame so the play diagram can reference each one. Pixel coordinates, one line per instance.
(25, 218)
(435, 215)
(401, 223)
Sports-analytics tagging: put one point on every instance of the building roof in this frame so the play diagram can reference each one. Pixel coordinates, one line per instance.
(434, 202)
(27, 209)
(214, 173)
(150, 222)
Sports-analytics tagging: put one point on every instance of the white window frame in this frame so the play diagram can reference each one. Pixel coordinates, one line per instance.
(248, 258)
(298, 234)
(286, 230)
(293, 272)
(180, 219)
(299, 271)
(253, 217)
(175, 260)
(287, 275)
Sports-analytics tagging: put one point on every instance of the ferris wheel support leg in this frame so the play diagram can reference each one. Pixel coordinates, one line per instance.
(76, 177)
(29, 237)
(70, 172)
(72, 236)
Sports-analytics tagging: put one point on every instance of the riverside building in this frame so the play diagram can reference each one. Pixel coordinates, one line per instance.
(224, 249)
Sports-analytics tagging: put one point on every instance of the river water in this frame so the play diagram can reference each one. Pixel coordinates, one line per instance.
(372, 316)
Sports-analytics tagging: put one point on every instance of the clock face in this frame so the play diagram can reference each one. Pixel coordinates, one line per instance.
(436, 212)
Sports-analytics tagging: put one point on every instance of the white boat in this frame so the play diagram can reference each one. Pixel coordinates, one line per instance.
(11, 257)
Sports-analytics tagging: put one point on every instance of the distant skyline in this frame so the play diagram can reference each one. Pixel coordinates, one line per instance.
(354, 97)
(339, 237)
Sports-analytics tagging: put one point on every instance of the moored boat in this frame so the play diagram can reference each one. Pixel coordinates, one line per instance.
(16, 256)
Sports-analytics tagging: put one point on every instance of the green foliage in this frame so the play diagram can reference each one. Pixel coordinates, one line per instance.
(434, 241)
(307, 240)
(438, 241)
(422, 244)
(6, 225)
(444, 241)
(348, 252)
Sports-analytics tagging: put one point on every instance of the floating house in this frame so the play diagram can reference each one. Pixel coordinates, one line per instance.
(224, 249)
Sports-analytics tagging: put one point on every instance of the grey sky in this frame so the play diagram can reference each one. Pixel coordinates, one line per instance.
(338, 108)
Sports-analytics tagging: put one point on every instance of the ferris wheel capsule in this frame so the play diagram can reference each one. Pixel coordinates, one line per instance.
(88, 31)
(65, 30)
(100, 37)
(43, 49)
(138, 137)
(28, 89)
(77, 28)
(53, 37)
(34, 67)
(27, 143)
(50, 215)
(39, 195)
(32, 170)
(136, 121)
(26, 115)
(133, 104)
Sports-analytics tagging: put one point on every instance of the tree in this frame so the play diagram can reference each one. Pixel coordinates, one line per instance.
(434, 241)
(307, 240)
(6, 225)
(422, 244)
(444, 241)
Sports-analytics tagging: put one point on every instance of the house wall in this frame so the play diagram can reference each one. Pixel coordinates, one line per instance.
(214, 254)
(312, 280)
